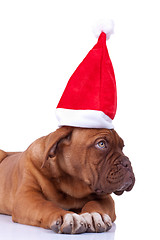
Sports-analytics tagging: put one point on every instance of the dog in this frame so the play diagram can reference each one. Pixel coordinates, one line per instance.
(63, 181)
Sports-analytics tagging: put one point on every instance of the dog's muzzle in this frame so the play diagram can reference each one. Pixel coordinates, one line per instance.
(122, 176)
(116, 177)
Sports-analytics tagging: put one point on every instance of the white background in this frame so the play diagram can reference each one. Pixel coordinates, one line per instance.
(41, 44)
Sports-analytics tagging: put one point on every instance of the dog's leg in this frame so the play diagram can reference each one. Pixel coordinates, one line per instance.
(99, 214)
(31, 208)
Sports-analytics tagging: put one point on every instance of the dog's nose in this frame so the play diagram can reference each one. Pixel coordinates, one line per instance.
(126, 163)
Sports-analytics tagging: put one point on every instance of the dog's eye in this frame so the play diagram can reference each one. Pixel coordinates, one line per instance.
(101, 144)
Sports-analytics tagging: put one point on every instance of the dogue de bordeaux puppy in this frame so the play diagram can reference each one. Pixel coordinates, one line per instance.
(63, 181)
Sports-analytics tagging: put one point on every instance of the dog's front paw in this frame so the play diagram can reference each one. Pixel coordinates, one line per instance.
(97, 222)
(70, 223)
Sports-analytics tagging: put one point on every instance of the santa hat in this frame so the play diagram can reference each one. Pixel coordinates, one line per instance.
(90, 97)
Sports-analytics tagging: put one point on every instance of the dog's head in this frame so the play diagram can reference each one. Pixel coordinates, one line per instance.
(94, 156)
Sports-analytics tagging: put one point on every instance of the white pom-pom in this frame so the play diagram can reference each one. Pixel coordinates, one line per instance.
(104, 26)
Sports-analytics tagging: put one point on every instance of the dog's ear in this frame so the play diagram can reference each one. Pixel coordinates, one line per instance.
(52, 141)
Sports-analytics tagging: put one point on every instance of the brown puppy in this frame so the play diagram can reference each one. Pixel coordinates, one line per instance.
(70, 170)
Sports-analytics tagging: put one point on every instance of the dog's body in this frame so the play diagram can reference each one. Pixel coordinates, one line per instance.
(70, 170)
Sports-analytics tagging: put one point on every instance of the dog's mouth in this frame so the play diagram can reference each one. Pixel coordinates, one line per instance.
(126, 187)
(120, 178)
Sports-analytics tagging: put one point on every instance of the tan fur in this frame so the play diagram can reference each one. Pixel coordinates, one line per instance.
(43, 183)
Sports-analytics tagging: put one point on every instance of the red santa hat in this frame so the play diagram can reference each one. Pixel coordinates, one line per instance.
(90, 97)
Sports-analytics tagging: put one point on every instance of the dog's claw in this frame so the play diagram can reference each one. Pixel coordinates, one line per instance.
(108, 222)
(56, 225)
